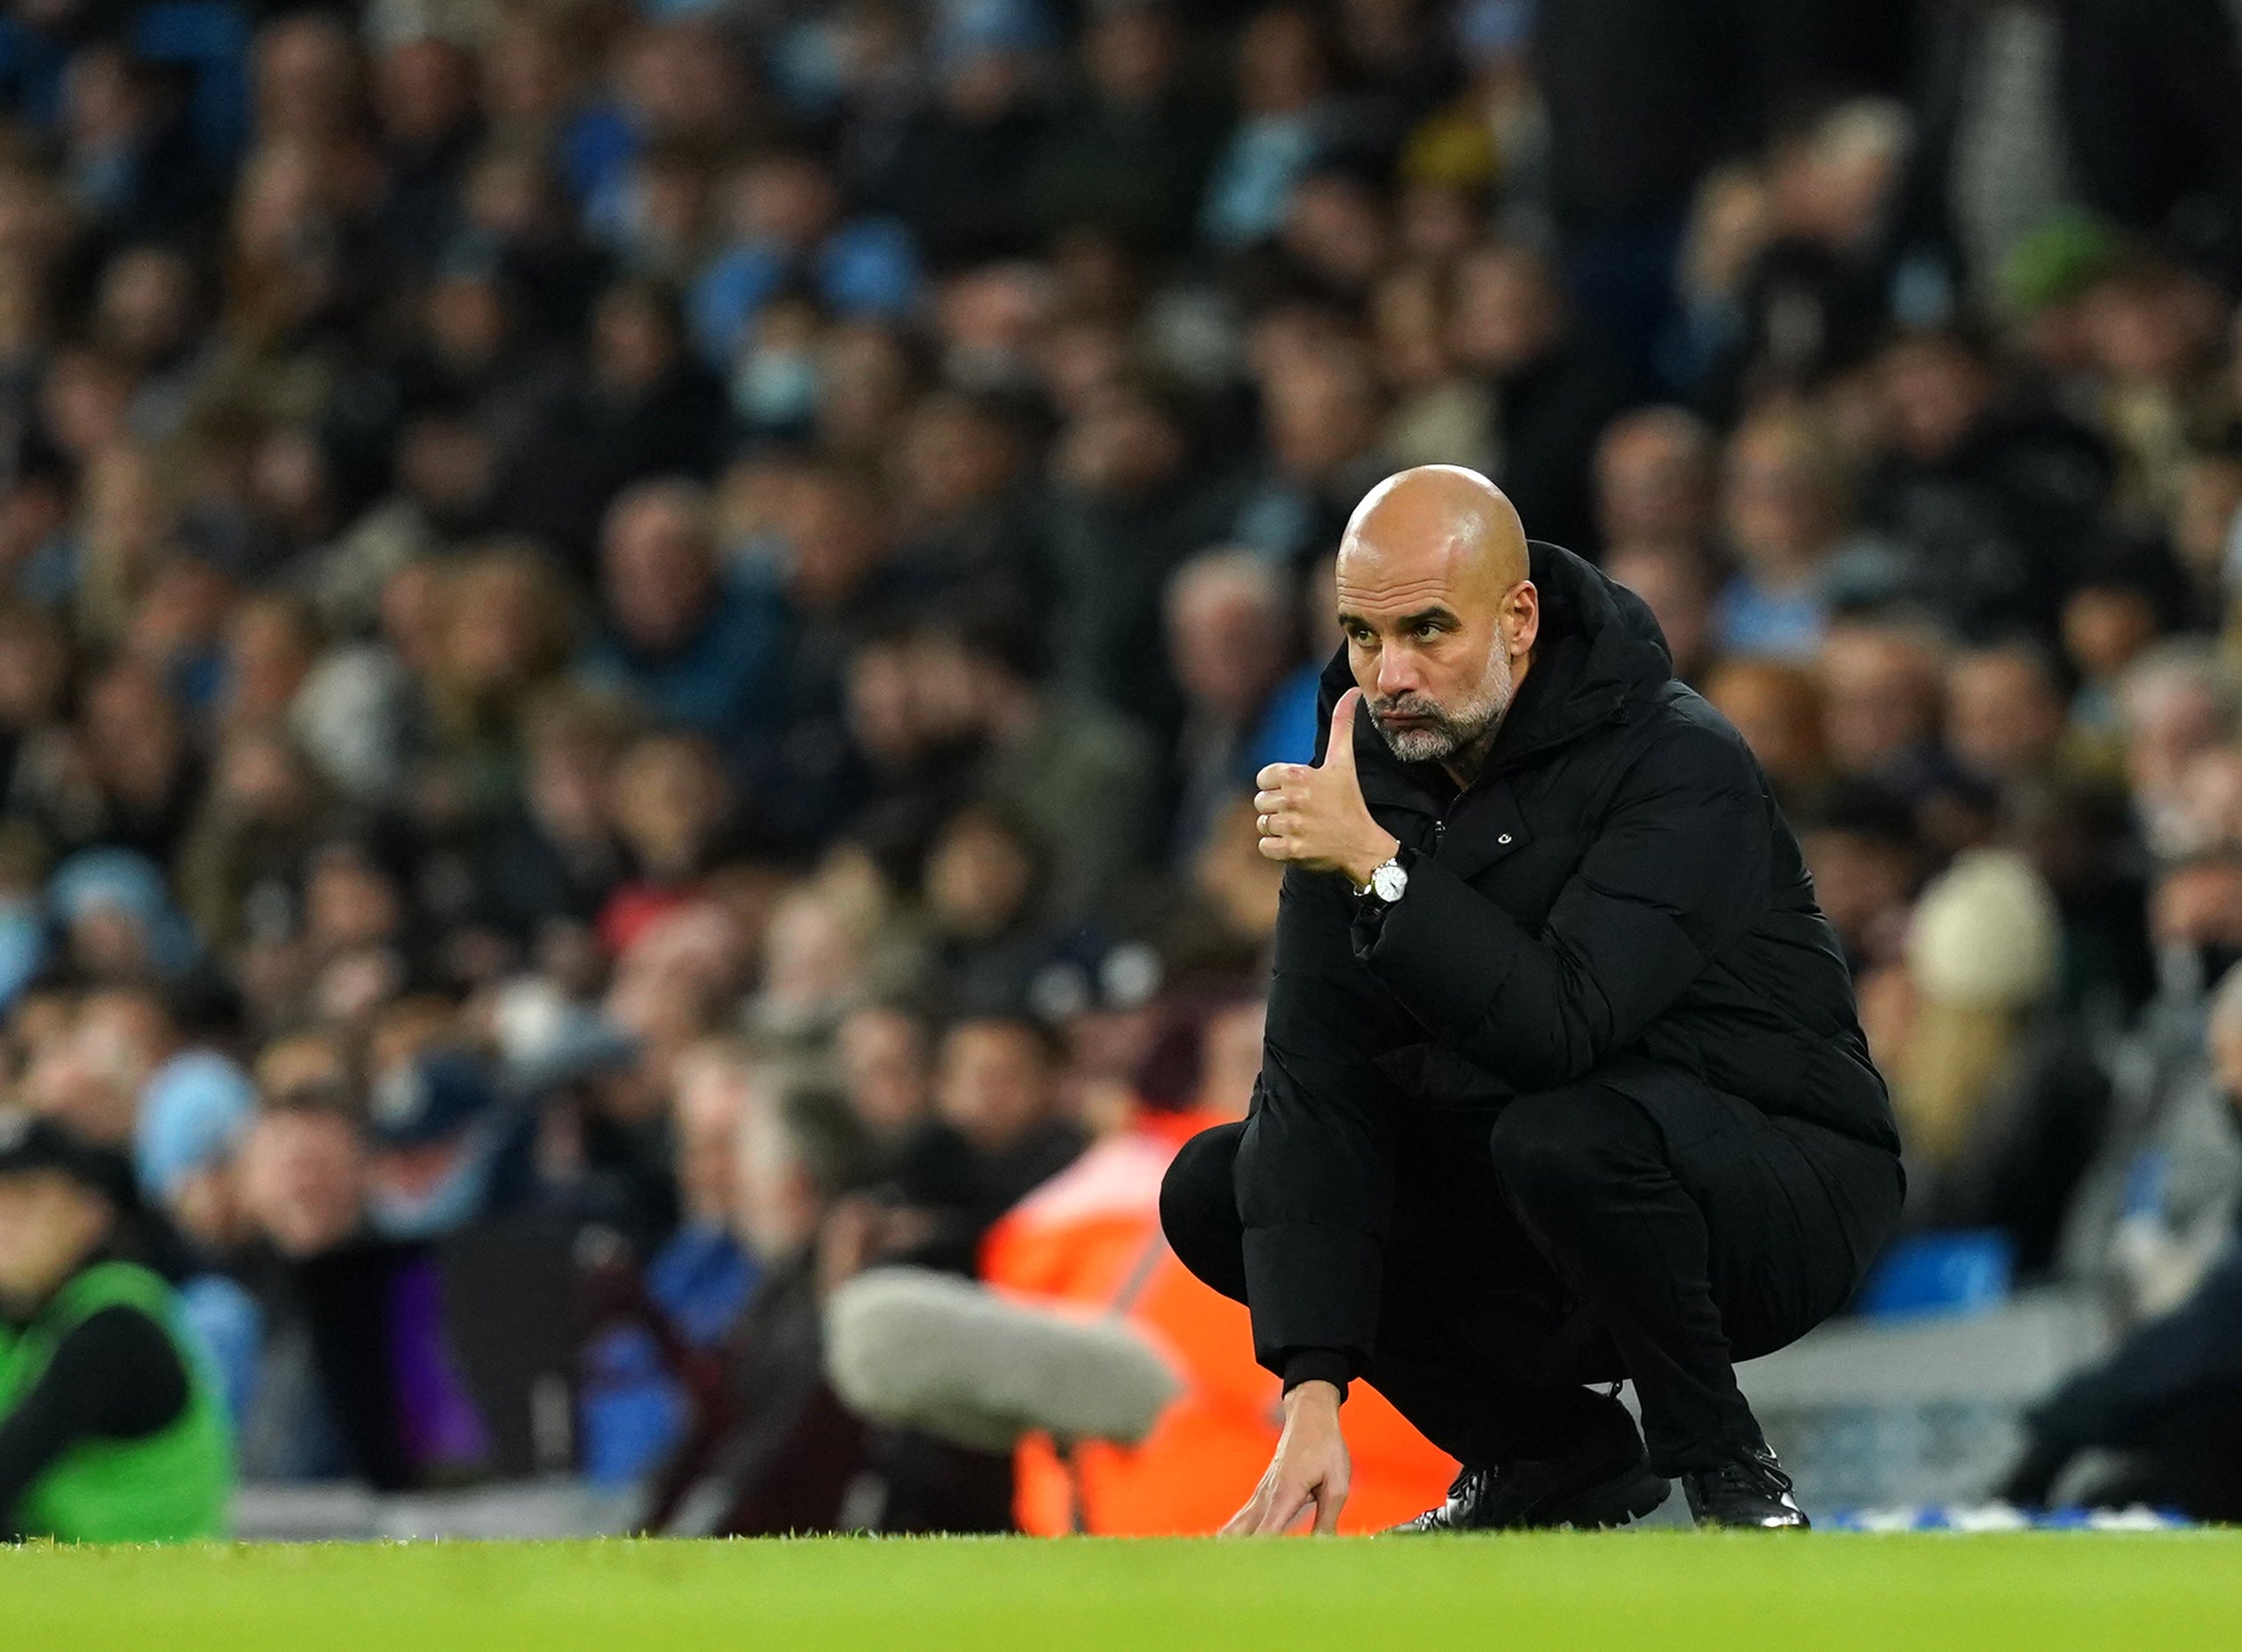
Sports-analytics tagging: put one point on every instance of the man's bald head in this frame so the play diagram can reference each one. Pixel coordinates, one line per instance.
(1439, 614)
(1436, 519)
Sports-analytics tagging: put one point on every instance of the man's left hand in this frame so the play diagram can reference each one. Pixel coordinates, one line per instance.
(1311, 1470)
(1315, 817)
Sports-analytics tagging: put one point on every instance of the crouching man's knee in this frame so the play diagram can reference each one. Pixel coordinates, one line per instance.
(1198, 1209)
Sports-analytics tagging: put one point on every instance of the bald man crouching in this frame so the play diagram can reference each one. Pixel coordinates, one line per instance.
(1563, 1081)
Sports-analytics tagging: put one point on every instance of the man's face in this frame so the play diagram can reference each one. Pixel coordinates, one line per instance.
(2002, 715)
(710, 1098)
(953, 458)
(1119, 447)
(660, 574)
(48, 1223)
(304, 1179)
(1321, 414)
(1130, 53)
(2168, 723)
(994, 1085)
(146, 304)
(1936, 392)
(669, 798)
(775, 1205)
(1778, 511)
(977, 879)
(836, 537)
(1226, 646)
(1651, 482)
(423, 90)
(1881, 697)
(1505, 313)
(883, 1064)
(1436, 659)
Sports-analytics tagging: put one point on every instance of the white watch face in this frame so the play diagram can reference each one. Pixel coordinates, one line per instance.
(1388, 882)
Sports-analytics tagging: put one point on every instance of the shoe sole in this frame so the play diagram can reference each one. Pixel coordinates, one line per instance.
(1800, 1524)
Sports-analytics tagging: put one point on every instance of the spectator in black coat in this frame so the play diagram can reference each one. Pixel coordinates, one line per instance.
(957, 176)
(555, 857)
(131, 157)
(424, 100)
(1993, 507)
(1555, 385)
(645, 408)
(771, 1450)
(1130, 498)
(997, 1134)
(1130, 155)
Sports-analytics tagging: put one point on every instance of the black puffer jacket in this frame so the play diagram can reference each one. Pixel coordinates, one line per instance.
(1616, 895)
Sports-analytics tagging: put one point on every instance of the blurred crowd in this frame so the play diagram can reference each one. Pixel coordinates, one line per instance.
(633, 638)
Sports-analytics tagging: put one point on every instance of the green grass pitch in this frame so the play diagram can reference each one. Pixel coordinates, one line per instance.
(1660, 1591)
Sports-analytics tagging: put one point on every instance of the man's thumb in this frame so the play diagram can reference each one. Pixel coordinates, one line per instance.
(1339, 750)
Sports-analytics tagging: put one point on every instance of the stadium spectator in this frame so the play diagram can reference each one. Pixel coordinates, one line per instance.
(700, 652)
(884, 1058)
(2164, 1398)
(1078, 778)
(996, 1133)
(777, 1452)
(1554, 383)
(1131, 156)
(1654, 485)
(1784, 509)
(109, 1432)
(1229, 635)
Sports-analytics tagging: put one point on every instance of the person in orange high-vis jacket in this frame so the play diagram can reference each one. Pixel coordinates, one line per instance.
(1091, 1237)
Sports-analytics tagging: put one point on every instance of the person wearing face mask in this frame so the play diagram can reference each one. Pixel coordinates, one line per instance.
(109, 1430)
(774, 372)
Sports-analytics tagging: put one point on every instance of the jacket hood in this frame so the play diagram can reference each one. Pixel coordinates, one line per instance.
(1599, 650)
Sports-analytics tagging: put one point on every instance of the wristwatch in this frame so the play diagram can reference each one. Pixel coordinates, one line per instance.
(1389, 882)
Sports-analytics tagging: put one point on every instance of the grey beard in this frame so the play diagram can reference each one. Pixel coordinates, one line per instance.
(1468, 727)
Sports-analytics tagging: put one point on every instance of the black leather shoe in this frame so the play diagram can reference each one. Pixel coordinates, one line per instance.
(1583, 1492)
(1748, 1493)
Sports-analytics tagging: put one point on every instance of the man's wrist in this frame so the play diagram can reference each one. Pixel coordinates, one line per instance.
(1373, 855)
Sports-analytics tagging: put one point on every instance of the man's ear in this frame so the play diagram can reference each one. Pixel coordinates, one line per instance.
(1522, 618)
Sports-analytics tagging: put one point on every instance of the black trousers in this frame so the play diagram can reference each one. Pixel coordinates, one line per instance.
(1580, 1235)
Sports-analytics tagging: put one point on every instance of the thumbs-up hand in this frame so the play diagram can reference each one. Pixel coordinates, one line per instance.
(1315, 817)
